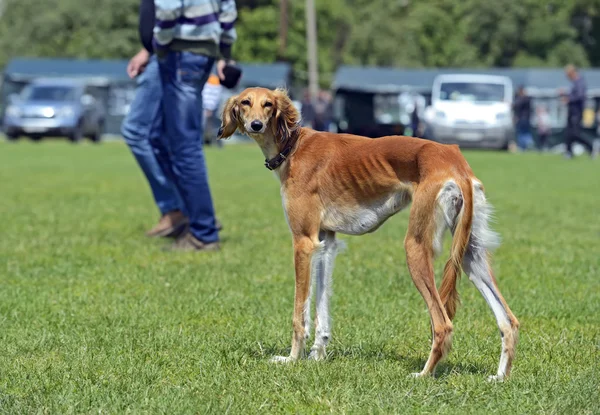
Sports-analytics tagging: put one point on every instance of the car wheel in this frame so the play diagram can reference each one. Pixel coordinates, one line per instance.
(96, 136)
(12, 136)
(76, 135)
(35, 137)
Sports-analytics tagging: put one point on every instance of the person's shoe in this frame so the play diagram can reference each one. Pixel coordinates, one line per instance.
(172, 224)
(595, 148)
(188, 243)
(185, 228)
(567, 156)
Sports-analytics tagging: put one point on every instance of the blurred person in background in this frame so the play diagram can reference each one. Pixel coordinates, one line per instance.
(142, 128)
(598, 124)
(543, 127)
(211, 97)
(415, 121)
(307, 110)
(323, 111)
(522, 115)
(575, 101)
(189, 36)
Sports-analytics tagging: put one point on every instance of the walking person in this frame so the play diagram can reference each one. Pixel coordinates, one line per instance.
(575, 101)
(308, 111)
(415, 120)
(142, 127)
(323, 112)
(522, 114)
(189, 36)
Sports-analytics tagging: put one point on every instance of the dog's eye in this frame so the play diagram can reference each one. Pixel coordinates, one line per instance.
(268, 104)
(246, 102)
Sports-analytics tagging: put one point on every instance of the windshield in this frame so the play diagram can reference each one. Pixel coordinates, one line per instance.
(474, 92)
(48, 93)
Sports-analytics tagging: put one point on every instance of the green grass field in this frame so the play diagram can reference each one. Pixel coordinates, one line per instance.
(94, 317)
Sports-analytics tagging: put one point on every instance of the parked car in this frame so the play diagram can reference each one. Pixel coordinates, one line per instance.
(471, 111)
(55, 107)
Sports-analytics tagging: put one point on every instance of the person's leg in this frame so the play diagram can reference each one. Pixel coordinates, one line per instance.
(542, 137)
(579, 139)
(183, 75)
(575, 135)
(569, 134)
(163, 157)
(595, 148)
(213, 122)
(207, 138)
(529, 141)
(521, 140)
(140, 125)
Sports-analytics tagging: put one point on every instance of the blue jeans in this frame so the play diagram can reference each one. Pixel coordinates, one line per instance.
(183, 75)
(524, 139)
(141, 130)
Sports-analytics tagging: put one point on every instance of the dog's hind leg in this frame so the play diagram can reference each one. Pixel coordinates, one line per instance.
(476, 265)
(419, 254)
(322, 271)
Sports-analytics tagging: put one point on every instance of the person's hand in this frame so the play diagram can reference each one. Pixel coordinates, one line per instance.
(221, 64)
(138, 63)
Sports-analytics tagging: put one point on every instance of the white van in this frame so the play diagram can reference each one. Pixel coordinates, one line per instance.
(471, 111)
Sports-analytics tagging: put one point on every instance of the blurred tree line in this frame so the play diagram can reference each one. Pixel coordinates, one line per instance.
(407, 33)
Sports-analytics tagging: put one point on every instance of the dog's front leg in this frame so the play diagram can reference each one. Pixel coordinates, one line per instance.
(303, 250)
(322, 271)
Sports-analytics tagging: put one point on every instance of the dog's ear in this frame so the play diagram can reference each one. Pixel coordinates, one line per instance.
(286, 114)
(229, 118)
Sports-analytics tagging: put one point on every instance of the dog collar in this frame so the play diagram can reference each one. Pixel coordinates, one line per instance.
(278, 160)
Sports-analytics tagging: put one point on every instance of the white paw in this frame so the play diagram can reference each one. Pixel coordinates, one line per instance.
(317, 353)
(417, 375)
(495, 378)
(281, 359)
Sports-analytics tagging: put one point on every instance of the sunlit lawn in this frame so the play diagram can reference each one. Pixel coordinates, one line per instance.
(94, 317)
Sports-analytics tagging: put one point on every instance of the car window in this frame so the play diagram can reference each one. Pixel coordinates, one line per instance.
(467, 91)
(49, 93)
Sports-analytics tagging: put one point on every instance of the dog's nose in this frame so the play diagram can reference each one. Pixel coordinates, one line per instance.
(256, 125)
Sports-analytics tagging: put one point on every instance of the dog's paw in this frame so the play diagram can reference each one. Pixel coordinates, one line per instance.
(496, 378)
(281, 359)
(417, 375)
(317, 353)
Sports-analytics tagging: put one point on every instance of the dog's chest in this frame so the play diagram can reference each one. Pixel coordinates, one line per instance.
(362, 218)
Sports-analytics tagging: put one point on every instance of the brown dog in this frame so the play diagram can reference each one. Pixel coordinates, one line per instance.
(351, 185)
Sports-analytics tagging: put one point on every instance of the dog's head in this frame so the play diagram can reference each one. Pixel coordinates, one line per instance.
(261, 113)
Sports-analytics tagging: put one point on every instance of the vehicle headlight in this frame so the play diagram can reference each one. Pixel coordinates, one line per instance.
(13, 111)
(66, 112)
(48, 112)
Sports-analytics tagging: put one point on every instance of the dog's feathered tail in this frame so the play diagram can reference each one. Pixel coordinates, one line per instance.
(460, 241)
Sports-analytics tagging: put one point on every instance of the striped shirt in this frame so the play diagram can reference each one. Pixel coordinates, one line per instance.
(206, 26)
